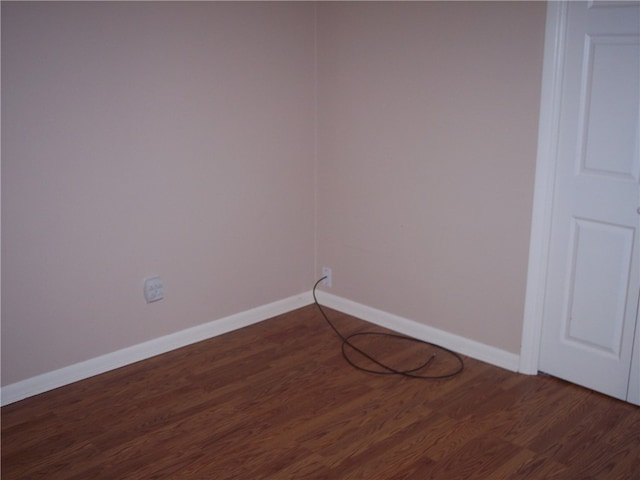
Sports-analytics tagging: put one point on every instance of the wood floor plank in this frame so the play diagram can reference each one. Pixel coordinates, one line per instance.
(276, 400)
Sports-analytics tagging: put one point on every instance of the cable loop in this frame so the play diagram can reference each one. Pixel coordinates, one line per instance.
(384, 368)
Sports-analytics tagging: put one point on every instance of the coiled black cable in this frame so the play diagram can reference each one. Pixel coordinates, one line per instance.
(385, 369)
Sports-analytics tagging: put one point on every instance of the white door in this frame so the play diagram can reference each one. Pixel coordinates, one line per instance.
(593, 276)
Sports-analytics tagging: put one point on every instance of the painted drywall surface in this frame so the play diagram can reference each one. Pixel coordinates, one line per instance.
(150, 139)
(426, 152)
(178, 141)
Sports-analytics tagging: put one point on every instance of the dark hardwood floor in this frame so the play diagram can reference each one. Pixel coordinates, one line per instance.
(276, 400)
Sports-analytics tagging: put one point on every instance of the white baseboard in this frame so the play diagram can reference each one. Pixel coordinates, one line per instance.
(462, 345)
(110, 361)
(95, 366)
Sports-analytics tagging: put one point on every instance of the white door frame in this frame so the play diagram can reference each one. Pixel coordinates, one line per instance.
(546, 160)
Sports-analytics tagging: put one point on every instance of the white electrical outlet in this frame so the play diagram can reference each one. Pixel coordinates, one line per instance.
(153, 289)
(326, 273)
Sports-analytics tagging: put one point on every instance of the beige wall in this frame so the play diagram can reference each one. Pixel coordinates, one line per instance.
(150, 138)
(178, 139)
(427, 140)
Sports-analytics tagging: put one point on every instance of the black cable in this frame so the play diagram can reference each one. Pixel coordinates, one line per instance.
(384, 368)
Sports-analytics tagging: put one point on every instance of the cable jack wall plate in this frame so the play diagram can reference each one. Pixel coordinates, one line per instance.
(326, 272)
(153, 289)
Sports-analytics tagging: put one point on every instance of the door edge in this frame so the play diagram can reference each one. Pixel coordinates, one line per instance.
(546, 160)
